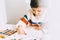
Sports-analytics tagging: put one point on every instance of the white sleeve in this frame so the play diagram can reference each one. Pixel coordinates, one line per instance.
(21, 23)
(45, 28)
(44, 21)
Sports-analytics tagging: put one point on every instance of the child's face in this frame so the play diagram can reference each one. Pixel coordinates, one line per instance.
(37, 11)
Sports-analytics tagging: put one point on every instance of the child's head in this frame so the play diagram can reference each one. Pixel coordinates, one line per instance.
(36, 7)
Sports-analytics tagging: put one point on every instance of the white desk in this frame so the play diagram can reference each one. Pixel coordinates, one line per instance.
(31, 34)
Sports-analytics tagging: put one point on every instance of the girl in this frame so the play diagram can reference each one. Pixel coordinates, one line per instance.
(32, 19)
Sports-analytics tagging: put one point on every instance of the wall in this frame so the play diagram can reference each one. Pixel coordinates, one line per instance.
(3, 18)
(15, 9)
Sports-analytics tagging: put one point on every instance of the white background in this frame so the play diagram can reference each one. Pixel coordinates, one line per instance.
(54, 19)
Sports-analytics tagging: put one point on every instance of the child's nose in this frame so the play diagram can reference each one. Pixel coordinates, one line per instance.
(36, 12)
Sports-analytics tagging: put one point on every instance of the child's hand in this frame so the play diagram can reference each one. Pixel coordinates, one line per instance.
(38, 28)
(20, 30)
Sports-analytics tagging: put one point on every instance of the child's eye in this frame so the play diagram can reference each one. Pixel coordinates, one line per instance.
(39, 11)
(33, 10)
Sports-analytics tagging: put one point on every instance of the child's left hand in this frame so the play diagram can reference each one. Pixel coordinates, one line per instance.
(37, 27)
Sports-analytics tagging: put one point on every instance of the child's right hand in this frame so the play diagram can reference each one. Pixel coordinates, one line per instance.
(20, 30)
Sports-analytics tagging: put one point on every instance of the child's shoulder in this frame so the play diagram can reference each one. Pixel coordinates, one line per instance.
(27, 14)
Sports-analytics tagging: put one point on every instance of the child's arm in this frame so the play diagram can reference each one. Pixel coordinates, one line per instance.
(20, 27)
(22, 24)
(45, 28)
(36, 26)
